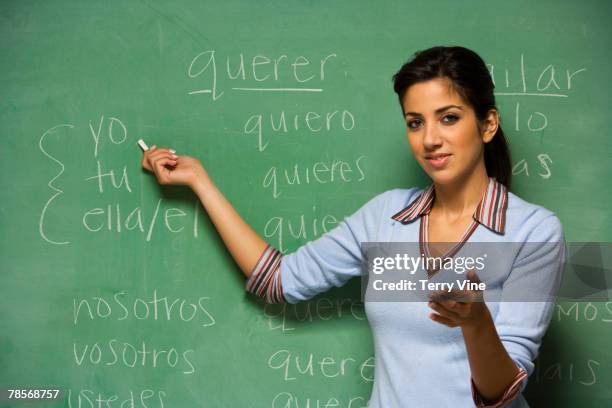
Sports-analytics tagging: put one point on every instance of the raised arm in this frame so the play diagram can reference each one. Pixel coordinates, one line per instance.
(329, 261)
(243, 243)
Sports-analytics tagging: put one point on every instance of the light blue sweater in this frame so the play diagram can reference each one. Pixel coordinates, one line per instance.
(419, 362)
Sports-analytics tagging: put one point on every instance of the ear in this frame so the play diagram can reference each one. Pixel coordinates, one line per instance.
(490, 125)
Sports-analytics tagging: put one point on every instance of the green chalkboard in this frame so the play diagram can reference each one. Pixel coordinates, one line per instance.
(116, 289)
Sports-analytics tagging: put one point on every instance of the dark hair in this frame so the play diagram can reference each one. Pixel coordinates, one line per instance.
(471, 79)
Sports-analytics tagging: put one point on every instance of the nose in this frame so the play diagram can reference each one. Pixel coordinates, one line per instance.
(431, 138)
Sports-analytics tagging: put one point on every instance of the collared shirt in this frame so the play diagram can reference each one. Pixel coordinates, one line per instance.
(490, 212)
(410, 349)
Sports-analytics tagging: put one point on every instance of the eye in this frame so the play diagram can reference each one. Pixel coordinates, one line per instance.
(411, 124)
(452, 118)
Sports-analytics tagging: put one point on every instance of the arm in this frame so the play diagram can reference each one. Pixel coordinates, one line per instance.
(501, 352)
(243, 243)
(328, 261)
(495, 376)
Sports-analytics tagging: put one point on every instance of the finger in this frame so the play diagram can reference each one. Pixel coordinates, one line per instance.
(449, 304)
(438, 295)
(477, 295)
(462, 309)
(146, 159)
(145, 163)
(161, 172)
(161, 152)
(443, 297)
(471, 275)
(461, 296)
(443, 310)
(454, 295)
(443, 320)
(159, 156)
(162, 162)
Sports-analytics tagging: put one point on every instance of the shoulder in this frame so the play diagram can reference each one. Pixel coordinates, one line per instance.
(394, 200)
(531, 221)
(403, 196)
(387, 203)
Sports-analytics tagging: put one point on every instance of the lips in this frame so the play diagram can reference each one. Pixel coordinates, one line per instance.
(438, 160)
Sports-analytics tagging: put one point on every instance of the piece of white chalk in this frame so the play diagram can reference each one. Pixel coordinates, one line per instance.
(143, 145)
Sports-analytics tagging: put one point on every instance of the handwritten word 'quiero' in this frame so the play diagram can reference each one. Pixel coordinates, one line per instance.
(312, 122)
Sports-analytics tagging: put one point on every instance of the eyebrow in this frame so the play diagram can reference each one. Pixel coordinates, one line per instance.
(438, 111)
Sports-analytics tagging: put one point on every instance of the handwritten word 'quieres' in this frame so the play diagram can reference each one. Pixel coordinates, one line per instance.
(321, 172)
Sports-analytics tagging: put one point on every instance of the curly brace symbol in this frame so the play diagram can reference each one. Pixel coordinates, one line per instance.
(50, 184)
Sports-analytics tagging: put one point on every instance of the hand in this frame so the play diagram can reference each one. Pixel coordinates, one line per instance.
(172, 169)
(460, 308)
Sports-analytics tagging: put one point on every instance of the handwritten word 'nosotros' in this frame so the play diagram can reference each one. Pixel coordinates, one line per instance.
(260, 69)
(154, 308)
(115, 352)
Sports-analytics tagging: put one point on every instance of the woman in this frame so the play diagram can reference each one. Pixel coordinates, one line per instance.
(448, 351)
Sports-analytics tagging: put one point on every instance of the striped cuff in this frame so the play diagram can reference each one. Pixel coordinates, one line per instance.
(508, 395)
(265, 279)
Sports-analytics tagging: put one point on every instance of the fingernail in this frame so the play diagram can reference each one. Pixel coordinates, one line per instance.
(172, 151)
(174, 156)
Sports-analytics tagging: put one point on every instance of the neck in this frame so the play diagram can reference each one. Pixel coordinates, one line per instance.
(462, 198)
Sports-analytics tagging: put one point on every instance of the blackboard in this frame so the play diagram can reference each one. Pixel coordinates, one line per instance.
(114, 288)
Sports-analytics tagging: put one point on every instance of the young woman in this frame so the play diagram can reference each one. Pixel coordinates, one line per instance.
(445, 352)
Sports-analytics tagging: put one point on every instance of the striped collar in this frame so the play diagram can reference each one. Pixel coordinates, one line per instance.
(491, 211)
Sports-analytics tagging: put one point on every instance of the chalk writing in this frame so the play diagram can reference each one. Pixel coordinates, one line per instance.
(298, 70)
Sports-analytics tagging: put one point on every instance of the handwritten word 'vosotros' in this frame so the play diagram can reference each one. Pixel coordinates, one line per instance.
(115, 352)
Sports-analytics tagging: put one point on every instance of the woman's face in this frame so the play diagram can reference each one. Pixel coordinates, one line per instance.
(443, 133)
